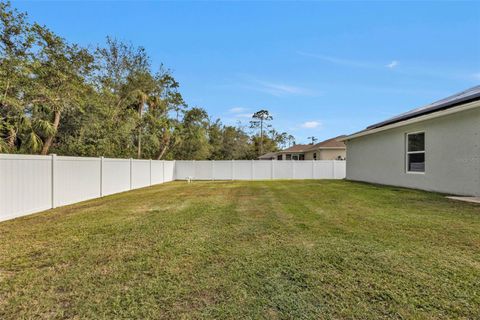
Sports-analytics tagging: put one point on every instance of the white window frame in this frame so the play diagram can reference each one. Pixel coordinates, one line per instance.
(407, 153)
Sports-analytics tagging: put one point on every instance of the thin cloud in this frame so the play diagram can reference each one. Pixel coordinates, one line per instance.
(310, 124)
(392, 64)
(237, 110)
(348, 62)
(339, 61)
(243, 115)
(410, 69)
(277, 89)
(280, 89)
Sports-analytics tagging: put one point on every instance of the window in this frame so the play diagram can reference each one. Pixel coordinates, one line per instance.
(416, 152)
(295, 157)
(301, 157)
(289, 156)
(279, 157)
(314, 156)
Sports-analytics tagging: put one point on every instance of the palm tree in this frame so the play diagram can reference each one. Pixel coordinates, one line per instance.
(259, 118)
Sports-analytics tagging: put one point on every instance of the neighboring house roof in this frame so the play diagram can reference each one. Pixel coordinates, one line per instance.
(332, 143)
(458, 99)
(269, 155)
(297, 148)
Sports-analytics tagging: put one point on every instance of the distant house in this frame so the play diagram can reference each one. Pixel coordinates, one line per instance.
(435, 147)
(331, 149)
(268, 156)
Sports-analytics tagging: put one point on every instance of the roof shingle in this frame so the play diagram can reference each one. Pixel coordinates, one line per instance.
(449, 102)
(329, 143)
(297, 148)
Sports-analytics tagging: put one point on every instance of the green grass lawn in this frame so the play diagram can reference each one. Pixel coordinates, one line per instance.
(246, 250)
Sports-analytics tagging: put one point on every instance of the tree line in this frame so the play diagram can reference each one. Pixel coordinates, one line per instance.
(59, 97)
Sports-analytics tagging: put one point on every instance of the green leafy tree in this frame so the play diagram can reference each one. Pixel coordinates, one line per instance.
(16, 41)
(235, 144)
(59, 73)
(194, 136)
(57, 96)
(215, 140)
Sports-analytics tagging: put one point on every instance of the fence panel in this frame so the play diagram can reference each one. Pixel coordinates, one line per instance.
(184, 169)
(116, 176)
(324, 169)
(262, 170)
(76, 179)
(140, 173)
(157, 172)
(25, 185)
(242, 170)
(203, 170)
(169, 171)
(303, 169)
(340, 169)
(283, 169)
(223, 170)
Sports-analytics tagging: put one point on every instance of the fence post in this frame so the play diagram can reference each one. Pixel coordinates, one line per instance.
(293, 168)
(53, 160)
(213, 170)
(194, 169)
(150, 171)
(131, 173)
(163, 171)
(233, 169)
(333, 169)
(272, 170)
(174, 170)
(101, 176)
(313, 169)
(253, 169)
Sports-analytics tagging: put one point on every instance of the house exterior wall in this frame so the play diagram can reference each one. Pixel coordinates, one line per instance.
(452, 155)
(332, 154)
(309, 155)
(326, 154)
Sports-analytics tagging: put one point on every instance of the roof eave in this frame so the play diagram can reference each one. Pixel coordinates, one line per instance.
(298, 151)
(436, 108)
(441, 113)
(321, 148)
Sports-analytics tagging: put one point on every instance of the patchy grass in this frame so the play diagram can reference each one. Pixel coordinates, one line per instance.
(273, 249)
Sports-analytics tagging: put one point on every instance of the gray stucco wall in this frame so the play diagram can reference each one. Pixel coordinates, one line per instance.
(452, 155)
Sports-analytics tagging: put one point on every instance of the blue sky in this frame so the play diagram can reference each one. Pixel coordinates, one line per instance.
(321, 69)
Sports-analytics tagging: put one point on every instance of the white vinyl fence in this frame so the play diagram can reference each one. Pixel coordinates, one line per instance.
(258, 169)
(30, 183)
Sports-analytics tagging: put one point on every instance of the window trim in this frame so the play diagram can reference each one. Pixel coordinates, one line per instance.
(407, 153)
